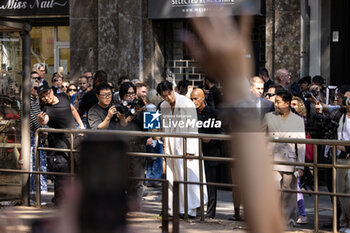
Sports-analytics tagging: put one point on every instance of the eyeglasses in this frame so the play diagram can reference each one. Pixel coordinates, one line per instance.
(269, 95)
(130, 94)
(35, 88)
(35, 77)
(106, 96)
(41, 70)
(72, 90)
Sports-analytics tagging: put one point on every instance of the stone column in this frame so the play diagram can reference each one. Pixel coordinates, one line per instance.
(283, 36)
(83, 36)
(115, 36)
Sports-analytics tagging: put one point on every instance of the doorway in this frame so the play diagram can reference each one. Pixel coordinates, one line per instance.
(340, 42)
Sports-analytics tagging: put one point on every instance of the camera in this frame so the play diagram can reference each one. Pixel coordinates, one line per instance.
(309, 94)
(346, 101)
(128, 107)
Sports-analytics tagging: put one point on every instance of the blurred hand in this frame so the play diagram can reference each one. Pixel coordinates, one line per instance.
(221, 46)
(319, 108)
(43, 118)
(149, 142)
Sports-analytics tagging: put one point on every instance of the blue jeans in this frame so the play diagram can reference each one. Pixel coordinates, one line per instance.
(43, 178)
(155, 167)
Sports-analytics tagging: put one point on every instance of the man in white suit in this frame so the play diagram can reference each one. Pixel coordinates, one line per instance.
(176, 109)
(285, 124)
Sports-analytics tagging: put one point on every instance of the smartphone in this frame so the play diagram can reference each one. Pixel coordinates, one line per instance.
(103, 176)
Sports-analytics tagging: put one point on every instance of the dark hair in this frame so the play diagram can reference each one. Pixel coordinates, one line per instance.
(53, 76)
(164, 86)
(343, 89)
(102, 86)
(33, 72)
(209, 79)
(264, 71)
(285, 95)
(318, 80)
(306, 79)
(124, 88)
(100, 76)
(183, 83)
(72, 84)
(121, 79)
(138, 85)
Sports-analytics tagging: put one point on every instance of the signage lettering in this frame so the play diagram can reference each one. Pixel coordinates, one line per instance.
(172, 9)
(33, 7)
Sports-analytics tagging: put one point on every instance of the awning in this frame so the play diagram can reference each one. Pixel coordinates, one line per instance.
(175, 9)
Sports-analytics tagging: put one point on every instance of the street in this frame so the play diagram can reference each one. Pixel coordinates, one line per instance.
(148, 220)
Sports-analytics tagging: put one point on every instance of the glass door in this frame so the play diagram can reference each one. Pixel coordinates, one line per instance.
(63, 58)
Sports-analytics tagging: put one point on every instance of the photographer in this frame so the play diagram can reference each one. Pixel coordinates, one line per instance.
(103, 114)
(130, 117)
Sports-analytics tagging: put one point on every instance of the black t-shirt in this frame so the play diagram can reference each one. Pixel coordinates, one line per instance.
(97, 115)
(214, 146)
(87, 102)
(60, 114)
(214, 97)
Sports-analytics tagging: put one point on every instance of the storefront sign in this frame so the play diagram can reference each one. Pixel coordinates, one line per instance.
(33, 7)
(170, 9)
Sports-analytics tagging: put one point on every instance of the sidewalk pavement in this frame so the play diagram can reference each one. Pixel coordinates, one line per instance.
(148, 220)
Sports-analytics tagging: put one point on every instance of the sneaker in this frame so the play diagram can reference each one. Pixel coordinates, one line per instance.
(344, 230)
(302, 220)
(291, 223)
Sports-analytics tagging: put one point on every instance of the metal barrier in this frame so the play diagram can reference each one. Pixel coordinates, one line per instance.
(202, 158)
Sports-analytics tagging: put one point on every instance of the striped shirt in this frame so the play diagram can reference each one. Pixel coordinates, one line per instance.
(34, 111)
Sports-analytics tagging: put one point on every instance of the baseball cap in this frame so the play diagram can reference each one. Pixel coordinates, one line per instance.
(43, 88)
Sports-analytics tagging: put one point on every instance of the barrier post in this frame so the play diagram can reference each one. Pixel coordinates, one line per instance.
(165, 207)
(200, 161)
(316, 189)
(334, 188)
(71, 153)
(37, 168)
(176, 207)
(185, 177)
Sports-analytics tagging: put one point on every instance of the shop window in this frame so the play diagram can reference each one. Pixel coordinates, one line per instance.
(63, 33)
(10, 86)
(42, 47)
(50, 45)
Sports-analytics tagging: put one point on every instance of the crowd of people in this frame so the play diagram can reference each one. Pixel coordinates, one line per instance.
(285, 110)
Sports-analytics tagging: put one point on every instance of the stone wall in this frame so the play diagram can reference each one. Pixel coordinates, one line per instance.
(283, 36)
(119, 39)
(83, 22)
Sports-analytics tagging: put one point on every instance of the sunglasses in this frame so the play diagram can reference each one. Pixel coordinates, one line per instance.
(55, 80)
(35, 88)
(65, 86)
(269, 95)
(72, 89)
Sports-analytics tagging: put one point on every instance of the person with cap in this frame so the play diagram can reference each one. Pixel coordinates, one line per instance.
(58, 113)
